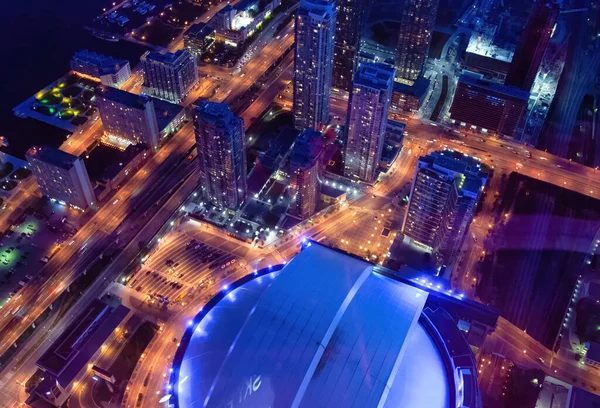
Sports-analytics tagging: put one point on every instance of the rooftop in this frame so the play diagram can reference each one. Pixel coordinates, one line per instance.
(125, 158)
(167, 58)
(418, 88)
(374, 75)
(321, 7)
(166, 112)
(482, 43)
(304, 337)
(493, 86)
(307, 148)
(50, 155)
(583, 399)
(458, 161)
(213, 111)
(448, 162)
(199, 30)
(106, 64)
(80, 341)
(123, 97)
(330, 191)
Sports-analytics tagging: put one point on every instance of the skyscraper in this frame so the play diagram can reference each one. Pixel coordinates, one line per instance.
(127, 118)
(61, 176)
(444, 193)
(221, 146)
(169, 76)
(416, 27)
(348, 29)
(534, 41)
(315, 33)
(367, 119)
(303, 168)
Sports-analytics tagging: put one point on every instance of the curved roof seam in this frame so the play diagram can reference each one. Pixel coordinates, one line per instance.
(328, 334)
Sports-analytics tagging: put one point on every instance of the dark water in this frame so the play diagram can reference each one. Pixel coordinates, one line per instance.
(38, 39)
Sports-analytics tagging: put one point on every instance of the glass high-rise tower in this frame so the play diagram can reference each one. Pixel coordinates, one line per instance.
(367, 120)
(445, 190)
(221, 143)
(348, 29)
(416, 27)
(315, 33)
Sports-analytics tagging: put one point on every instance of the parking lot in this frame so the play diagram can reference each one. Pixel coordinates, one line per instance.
(25, 247)
(187, 261)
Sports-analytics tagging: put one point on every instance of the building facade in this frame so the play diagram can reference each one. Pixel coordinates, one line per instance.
(127, 118)
(221, 143)
(416, 27)
(61, 176)
(303, 170)
(367, 120)
(488, 106)
(169, 76)
(445, 190)
(315, 33)
(348, 29)
(109, 71)
(534, 41)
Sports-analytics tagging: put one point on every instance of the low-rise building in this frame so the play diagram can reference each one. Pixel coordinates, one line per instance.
(486, 57)
(592, 357)
(169, 116)
(110, 71)
(198, 38)
(234, 24)
(332, 196)
(61, 176)
(70, 354)
(129, 162)
(394, 132)
(408, 98)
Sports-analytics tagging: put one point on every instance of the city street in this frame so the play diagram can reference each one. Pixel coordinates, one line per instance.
(193, 261)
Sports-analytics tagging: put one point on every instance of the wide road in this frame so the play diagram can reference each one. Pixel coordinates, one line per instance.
(502, 155)
(54, 277)
(516, 345)
(254, 69)
(507, 156)
(112, 214)
(104, 222)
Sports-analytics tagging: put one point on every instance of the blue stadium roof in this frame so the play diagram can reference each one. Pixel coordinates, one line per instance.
(325, 331)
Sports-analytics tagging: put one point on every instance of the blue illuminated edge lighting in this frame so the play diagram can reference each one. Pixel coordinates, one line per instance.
(189, 332)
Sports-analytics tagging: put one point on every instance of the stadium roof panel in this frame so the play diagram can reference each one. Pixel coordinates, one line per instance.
(325, 331)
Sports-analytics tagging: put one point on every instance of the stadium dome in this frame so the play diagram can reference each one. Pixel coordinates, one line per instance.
(325, 330)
